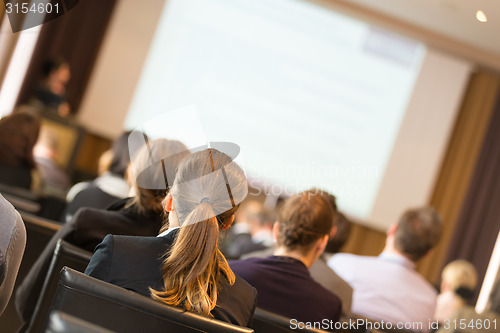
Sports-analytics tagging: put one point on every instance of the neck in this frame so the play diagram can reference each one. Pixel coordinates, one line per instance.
(389, 248)
(307, 259)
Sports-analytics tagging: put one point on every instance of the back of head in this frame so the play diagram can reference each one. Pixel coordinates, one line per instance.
(51, 65)
(120, 157)
(418, 231)
(18, 135)
(460, 276)
(148, 200)
(212, 176)
(47, 145)
(206, 193)
(303, 219)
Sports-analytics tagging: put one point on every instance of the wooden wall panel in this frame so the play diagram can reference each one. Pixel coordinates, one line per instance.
(459, 163)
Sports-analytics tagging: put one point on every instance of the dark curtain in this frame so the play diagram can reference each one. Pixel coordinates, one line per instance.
(76, 37)
(479, 221)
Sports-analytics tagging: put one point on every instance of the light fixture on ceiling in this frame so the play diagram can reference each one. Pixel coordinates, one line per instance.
(481, 16)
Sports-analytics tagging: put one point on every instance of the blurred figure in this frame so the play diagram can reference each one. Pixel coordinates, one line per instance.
(18, 135)
(466, 320)
(388, 287)
(141, 215)
(241, 228)
(12, 244)
(109, 187)
(458, 282)
(50, 94)
(283, 282)
(54, 180)
(260, 222)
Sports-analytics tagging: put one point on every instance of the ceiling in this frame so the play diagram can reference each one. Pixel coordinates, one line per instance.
(453, 21)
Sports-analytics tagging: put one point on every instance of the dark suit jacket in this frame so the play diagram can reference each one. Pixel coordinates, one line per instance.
(92, 196)
(243, 244)
(135, 263)
(285, 287)
(86, 229)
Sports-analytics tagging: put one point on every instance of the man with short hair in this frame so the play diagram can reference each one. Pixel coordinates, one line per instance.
(388, 287)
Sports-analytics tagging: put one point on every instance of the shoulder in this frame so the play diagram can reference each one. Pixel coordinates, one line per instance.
(343, 260)
(249, 265)
(244, 287)
(136, 245)
(236, 303)
(87, 214)
(77, 188)
(259, 254)
(117, 254)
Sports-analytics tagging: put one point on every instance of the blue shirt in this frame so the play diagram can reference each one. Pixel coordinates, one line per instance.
(386, 287)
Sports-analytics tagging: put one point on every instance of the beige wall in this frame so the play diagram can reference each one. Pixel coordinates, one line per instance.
(119, 66)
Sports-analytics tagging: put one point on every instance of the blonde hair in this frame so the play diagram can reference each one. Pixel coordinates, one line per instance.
(104, 162)
(147, 199)
(194, 264)
(460, 274)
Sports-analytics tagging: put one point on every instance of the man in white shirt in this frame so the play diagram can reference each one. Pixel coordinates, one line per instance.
(388, 287)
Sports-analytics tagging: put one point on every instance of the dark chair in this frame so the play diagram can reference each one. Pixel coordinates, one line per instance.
(40, 204)
(121, 310)
(375, 326)
(39, 232)
(65, 254)
(61, 322)
(268, 322)
(353, 324)
(12, 244)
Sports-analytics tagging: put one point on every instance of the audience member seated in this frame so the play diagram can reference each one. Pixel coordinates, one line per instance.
(12, 243)
(485, 322)
(140, 215)
(18, 135)
(260, 235)
(54, 180)
(109, 187)
(320, 271)
(241, 227)
(458, 282)
(283, 281)
(183, 266)
(388, 287)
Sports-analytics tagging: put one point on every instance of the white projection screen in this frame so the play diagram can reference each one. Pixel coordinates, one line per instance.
(312, 97)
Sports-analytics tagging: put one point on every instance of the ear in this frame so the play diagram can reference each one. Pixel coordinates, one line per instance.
(228, 223)
(168, 203)
(333, 232)
(392, 229)
(276, 228)
(322, 243)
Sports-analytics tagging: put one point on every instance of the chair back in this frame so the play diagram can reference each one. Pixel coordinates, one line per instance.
(268, 322)
(60, 322)
(121, 310)
(65, 254)
(12, 244)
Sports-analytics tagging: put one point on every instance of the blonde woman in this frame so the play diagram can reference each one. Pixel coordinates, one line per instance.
(183, 266)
